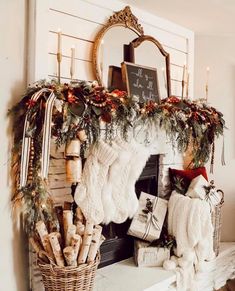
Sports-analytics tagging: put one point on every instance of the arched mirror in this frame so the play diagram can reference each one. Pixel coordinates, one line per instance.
(108, 49)
(147, 51)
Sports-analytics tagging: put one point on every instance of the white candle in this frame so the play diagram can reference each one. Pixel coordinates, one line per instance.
(59, 41)
(72, 65)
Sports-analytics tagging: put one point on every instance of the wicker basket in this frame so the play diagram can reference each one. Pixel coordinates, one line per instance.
(216, 222)
(79, 278)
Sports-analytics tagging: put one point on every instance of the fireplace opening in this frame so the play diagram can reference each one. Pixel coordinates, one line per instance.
(118, 245)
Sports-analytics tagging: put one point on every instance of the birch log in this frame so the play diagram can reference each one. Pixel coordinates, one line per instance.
(80, 228)
(43, 233)
(53, 238)
(70, 233)
(69, 255)
(86, 243)
(76, 243)
(67, 221)
(95, 241)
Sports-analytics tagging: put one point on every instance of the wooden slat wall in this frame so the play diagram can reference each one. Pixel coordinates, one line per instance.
(80, 20)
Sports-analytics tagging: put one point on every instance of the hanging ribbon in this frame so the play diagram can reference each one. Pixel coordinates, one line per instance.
(212, 157)
(223, 154)
(151, 220)
(45, 142)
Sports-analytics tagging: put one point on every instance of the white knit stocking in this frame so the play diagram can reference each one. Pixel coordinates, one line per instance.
(139, 157)
(88, 192)
(113, 197)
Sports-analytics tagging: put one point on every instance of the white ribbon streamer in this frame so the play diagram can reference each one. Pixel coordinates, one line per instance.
(45, 142)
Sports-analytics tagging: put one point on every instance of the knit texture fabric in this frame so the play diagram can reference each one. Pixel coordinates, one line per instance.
(88, 192)
(189, 220)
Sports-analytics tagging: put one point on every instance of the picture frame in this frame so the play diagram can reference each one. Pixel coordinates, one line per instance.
(141, 81)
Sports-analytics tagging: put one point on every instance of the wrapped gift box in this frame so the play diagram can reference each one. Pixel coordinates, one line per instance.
(148, 220)
(146, 255)
(196, 188)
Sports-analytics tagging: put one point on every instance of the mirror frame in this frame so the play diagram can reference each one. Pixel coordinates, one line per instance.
(123, 18)
(138, 41)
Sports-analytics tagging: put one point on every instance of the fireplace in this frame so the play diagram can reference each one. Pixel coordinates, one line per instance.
(118, 245)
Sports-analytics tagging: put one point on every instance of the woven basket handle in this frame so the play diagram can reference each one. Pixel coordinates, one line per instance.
(43, 256)
(222, 199)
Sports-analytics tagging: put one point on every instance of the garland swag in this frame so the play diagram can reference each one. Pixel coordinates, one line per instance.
(83, 105)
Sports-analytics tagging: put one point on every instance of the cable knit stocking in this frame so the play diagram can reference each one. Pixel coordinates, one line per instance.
(113, 198)
(88, 192)
(139, 157)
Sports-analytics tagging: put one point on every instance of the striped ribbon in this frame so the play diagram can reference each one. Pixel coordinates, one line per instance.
(45, 141)
(151, 220)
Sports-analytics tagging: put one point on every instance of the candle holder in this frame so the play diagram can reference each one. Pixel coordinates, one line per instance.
(207, 89)
(183, 85)
(59, 59)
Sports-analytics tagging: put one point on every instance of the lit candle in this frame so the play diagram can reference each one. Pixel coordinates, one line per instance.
(59, 41)
(72, 65)
(207, 82)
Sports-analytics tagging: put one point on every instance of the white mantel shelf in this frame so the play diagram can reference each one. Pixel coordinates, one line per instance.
(125, 276)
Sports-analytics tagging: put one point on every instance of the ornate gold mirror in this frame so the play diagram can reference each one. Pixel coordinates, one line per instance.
(123, 39)
(108, 49)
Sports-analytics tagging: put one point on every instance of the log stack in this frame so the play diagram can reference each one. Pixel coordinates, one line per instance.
(77, 242)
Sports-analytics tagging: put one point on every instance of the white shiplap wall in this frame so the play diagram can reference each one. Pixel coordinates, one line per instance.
(79, 21)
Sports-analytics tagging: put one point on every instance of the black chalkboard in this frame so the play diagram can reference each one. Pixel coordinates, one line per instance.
(141, 81)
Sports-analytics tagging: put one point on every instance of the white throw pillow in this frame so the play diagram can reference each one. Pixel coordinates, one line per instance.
(196, 188)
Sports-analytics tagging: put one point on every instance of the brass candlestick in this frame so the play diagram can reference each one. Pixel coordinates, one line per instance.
(207, 89)
(183, 84)
(187, 86)
(59, 59)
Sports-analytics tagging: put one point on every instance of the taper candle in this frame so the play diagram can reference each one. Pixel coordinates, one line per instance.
(72, 65)
(59, 33)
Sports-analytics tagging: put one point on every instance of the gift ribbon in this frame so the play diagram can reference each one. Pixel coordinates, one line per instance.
(151, 220)
(45, 140)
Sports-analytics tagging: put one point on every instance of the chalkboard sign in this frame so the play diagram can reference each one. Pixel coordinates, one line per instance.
(141, 81)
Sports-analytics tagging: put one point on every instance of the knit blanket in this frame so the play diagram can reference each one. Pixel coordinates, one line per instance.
(189, 220)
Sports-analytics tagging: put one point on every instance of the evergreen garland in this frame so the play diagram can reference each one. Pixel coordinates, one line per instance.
(85, 105)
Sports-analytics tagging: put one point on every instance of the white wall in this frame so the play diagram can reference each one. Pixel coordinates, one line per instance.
(80, 20)
(13, 271)
(217, 52)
